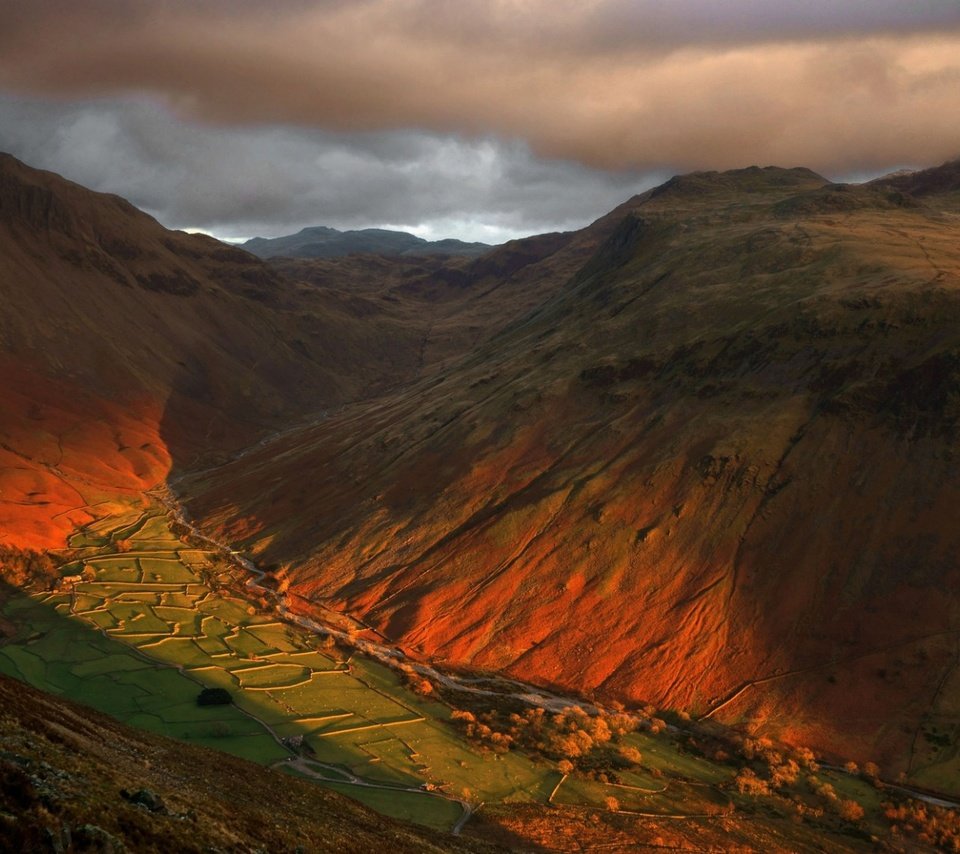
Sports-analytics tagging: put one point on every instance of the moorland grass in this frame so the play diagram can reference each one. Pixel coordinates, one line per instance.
(661, 755)
(679, 797)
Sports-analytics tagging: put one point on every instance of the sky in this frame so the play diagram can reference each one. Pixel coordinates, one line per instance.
(479, 120)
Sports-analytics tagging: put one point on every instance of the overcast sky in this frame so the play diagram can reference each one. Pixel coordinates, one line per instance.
(482, 120)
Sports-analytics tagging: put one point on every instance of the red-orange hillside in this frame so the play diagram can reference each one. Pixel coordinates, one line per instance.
(716, 469)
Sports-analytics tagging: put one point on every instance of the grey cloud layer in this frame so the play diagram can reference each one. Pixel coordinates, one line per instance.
(523, 115)
(620, 84)
(273, 180)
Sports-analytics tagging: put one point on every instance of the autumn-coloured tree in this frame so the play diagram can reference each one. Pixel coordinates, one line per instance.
(24, 566)
(748, 783)
(850, 810)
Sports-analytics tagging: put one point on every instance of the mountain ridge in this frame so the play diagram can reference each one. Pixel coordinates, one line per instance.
(620, 492)
(324, 242)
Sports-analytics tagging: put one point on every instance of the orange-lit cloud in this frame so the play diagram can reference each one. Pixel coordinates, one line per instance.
(637, 85)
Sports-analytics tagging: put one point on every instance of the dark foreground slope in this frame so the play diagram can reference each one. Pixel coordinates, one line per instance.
(72, 779)
(716, 470)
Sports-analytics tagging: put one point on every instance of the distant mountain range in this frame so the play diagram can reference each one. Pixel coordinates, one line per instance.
(322, 242)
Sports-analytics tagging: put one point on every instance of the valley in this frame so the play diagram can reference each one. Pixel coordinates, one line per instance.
(635, 535)
(711, 470)
(476, 427)
(145, 618)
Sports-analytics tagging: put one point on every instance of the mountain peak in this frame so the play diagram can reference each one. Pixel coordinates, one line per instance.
(753, 179)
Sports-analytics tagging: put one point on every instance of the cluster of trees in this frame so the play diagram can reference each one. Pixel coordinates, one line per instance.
(771, 770)
(936, 826)
(24, 566)
(748, 782)
(573, 738)
(778, 767)
(869, 771)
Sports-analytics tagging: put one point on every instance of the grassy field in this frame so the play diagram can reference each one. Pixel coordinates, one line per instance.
(678, 799)
(146, 628)
(430, 811)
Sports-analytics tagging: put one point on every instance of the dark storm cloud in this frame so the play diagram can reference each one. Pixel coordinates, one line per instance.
(272, 180)
(617, 84)
(543, 25)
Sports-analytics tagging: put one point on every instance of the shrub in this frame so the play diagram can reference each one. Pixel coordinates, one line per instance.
(822, 790)
(214, 697)
(784, 774)
(806, 758)
(748, 783)
(23, 566)
(850, 810)
(421, 685)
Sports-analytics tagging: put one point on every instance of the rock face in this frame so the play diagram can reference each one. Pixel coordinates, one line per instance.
(715, 468)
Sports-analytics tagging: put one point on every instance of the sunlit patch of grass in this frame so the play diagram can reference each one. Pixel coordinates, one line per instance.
(181, 652)
(169, 571)
(423, 809)
(272, 676)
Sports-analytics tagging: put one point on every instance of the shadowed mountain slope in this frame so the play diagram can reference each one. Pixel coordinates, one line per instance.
(716, 469)
(109, 322)
(940, 182)
(128, 350)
